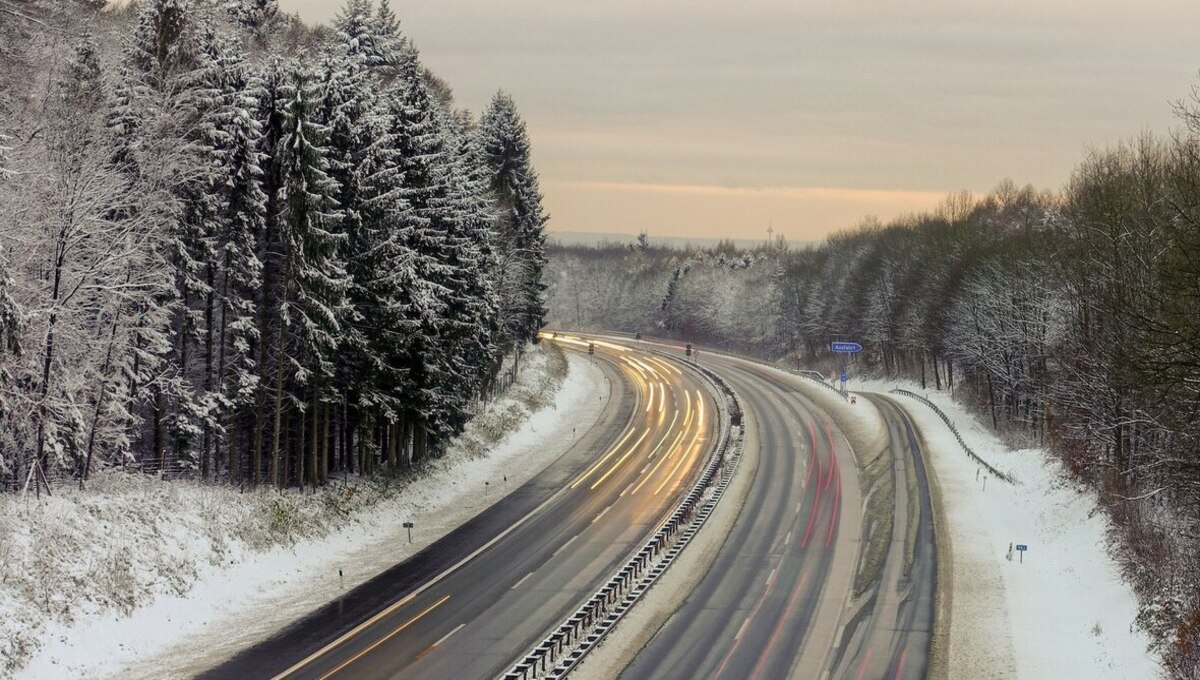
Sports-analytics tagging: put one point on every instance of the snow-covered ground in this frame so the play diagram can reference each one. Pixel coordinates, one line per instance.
(136, 575)
(1062, 613)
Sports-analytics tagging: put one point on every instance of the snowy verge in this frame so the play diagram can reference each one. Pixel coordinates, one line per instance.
(208, 571)
(1063, 612)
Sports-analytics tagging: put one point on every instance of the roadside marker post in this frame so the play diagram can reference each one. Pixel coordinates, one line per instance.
(409, 526)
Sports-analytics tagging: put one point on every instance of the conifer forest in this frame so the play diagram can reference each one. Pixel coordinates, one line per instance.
(236, 248)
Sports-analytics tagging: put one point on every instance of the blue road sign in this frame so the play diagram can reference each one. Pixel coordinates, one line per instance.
(845, 347)
(1022, 548)
(845, 376)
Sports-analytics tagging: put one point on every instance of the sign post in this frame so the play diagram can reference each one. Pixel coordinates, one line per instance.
(844, 349)
(409, 526)
(1021, 549)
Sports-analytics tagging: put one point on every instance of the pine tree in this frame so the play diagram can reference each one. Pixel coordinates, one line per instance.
(356, 28)
(415, 171)
(470, 219)
(312, 274)
(347, 110)
(521, 236)
(256, 17)
(273, 94)
(234, 272)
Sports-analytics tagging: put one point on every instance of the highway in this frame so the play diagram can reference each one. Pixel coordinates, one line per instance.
(889, 636)
(778, 600)
(467, 605)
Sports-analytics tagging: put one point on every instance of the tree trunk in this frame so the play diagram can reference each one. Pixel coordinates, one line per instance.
(230, 418)
(279, 363)
(391, 430)
(313, 440)
(160, 435)
(324, 478)
(208, 371)
(992, 400)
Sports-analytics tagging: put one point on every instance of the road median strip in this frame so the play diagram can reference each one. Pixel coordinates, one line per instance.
(565, 646)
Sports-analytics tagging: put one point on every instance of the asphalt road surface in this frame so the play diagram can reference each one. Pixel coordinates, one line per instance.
(890, 637)
(468, 605)
(777, 602)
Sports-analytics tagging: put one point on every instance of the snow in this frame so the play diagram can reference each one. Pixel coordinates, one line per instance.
(1064, 612)
(202, 587)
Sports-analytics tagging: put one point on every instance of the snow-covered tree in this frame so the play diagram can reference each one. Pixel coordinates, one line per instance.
(520, 229)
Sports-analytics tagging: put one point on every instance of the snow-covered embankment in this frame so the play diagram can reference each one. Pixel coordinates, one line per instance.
(1064, 611)
(136, 576)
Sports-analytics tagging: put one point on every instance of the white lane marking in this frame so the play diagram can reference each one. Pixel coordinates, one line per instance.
(787, 539)
(742, 629)
(439, 577)
(514, 586)
(771, 577)
(597, 517)
(447, 635)
(626, 489)
(564, 545)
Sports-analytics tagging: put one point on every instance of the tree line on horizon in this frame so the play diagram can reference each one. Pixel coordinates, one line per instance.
(249, 249)
(1068, 319)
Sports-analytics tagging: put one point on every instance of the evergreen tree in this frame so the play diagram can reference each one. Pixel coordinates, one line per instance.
(470, 219)
(256, 17)
(234, 273)
(417, 167)
(273, 94)
(312, 274)
(521, 236)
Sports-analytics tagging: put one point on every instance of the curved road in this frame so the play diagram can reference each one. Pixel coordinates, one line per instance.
(777, 601)
(891, 634)
(469, 604)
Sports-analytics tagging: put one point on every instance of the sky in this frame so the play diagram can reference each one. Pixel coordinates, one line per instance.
(713, 118)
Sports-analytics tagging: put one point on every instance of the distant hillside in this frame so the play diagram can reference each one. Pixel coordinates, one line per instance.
(592, 238)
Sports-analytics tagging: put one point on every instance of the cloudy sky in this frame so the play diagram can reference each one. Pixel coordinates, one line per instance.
(719, 118)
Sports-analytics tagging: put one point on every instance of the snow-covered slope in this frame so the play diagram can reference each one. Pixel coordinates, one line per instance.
(1063, 612)
(106, 582)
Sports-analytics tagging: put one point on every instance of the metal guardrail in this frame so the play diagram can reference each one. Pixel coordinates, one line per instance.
(816, 377)
(957, 435)
(567, 644)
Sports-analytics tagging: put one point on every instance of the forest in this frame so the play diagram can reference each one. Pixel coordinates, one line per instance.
(238, 248)
(1069, 320)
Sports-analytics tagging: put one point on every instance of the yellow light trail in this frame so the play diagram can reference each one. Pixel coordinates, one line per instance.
(650, 401)
(569, 341)
(682, 432)
(665, 364)
(619, 348)
(635, 367)
(666, 434)
(608, 455)
(692, 447)
(651, 368)
(630, 451)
